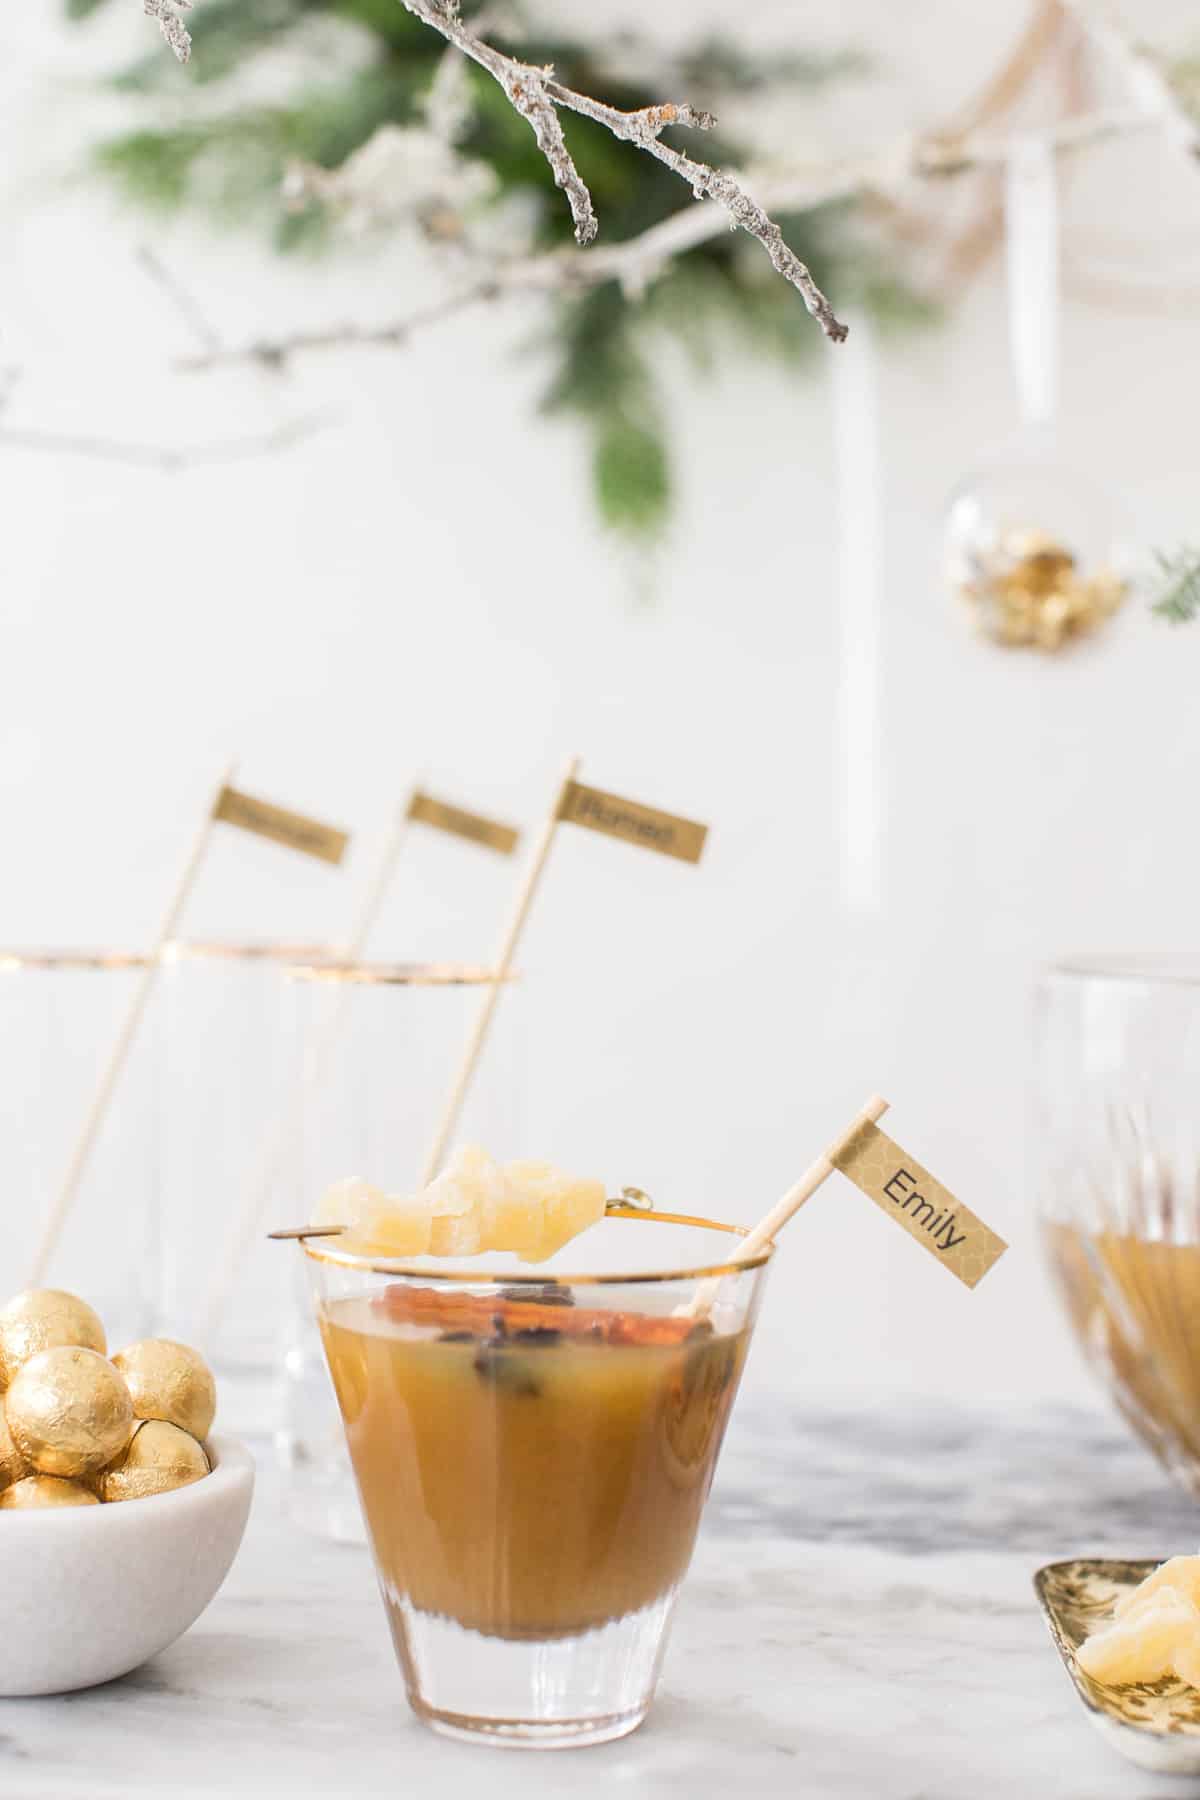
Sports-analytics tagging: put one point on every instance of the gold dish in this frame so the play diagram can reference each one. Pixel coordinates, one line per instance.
(1153, 1724)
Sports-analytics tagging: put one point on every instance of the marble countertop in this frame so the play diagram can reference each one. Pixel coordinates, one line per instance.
(859, 1621)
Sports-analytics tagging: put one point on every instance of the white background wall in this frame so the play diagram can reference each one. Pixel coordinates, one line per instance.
(422, 583)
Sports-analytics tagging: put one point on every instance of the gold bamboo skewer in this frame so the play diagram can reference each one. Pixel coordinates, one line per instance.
(501, 969)
(789, 1205)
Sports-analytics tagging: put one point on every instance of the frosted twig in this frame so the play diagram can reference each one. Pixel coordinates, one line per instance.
(535, 94)
(526, 90)
(273, 353)
(167, 12)
(644, 129)
(637, 260)
(182, 301)
(168, 459)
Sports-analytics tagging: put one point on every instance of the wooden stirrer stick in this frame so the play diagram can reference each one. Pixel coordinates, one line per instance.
(111, 1073)
(804, 1189)
(354, 946)
(501, 969)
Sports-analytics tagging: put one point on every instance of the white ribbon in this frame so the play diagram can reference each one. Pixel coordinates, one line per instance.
(858, 464)
(1031, 232)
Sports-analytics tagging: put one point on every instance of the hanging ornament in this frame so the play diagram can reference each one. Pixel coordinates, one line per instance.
(1031, 546)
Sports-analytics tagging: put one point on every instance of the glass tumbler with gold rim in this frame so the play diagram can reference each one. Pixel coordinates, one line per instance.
(228, 1074)
(61, 1013)
(378, 1047)
(1118, 1076)
(533, 1450)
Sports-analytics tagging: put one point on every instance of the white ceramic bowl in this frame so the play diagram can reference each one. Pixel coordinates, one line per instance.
(89, 1592)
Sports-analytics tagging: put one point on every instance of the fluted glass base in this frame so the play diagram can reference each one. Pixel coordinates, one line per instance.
(539, 1694)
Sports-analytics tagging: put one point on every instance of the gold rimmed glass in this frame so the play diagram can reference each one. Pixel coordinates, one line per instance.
(379, 1043)
(229, 1066)
(1118, 1071)
(332, 972)
(13, 962)
(61, 1010)
(533, 1450)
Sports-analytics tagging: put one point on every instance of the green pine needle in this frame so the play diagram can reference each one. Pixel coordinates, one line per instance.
(631, 477)
(1178, 599)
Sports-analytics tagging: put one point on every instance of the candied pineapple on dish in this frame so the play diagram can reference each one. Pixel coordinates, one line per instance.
(1154, 1632)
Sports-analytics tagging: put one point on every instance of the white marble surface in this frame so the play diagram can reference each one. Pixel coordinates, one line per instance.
(859, 1621)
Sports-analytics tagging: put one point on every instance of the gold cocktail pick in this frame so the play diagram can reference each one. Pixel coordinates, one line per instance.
(630, 1199)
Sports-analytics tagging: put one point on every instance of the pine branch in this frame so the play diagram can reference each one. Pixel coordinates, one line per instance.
(1178, 598)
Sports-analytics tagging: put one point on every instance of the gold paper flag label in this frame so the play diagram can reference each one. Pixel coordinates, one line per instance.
(288, 828)
(473, 826)
(917, 1200)
(618, 818)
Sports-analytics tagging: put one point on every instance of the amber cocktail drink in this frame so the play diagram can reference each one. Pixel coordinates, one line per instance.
(532, 1457)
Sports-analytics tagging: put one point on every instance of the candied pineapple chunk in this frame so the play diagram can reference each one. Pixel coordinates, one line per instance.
(1179, 1572)
(1155, 1630)
(557, 1204)
(1143, 1645)
(475, 1204)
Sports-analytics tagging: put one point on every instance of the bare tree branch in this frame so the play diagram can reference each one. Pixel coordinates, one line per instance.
(526, 89)
(168, 459)
(644, 129)
(273, 353)
(167, 12)
(181, 300)
(638, 260)
(536, 94)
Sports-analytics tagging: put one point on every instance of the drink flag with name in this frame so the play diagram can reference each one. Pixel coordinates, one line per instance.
(636, 824)
(291, 829)
(899, 1186)
(473, 826)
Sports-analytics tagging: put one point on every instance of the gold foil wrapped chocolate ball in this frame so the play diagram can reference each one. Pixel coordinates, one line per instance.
(13, 1466)
(159, 1457)
(69, 1411)
(171, 1382)
(40, 1319)
(45, 1490)
(77, 1429)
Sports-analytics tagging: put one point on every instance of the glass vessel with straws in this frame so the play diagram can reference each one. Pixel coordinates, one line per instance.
(1118, 1071)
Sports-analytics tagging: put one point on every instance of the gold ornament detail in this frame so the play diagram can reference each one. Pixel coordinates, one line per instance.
(40, 1319)
(159, 1457)
(1028, 590)
(69, 1412)
(45, 1490)
(171, 1382)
